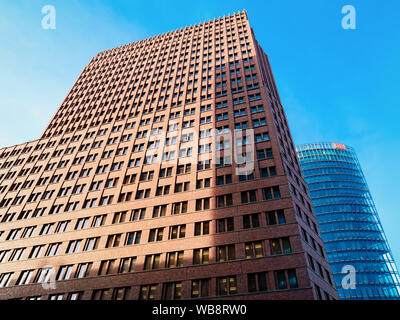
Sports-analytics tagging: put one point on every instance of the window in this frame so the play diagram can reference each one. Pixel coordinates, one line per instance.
(13, 234)
(205, 148)
(98, 220)
(275, 217)
(62, 226)
(120, 293)
(179, 187)
(113, 240)
(4, 253)
(183, 168)
(203, 183)
(151, 261)
(146, 176)
(253, 249)
(100, 294)
(64, 272)
(225, 253)
(140, 194)
(261, 137)
(127, 265)
(271, 193)
(226, 285)
(147, 292)
(202, 204)
(174, 259)
(267, 172)
(53, 249)
(201, 256)
(241, 125)
(83, 270)
(203, 165)
(96, 185)
(172, 290)
(36, 252)
(239, 113)
(133, 238)
(224, 200)
(264, 154)
(56, 296)
(127, 196)
(285, 279)
(46, 229)
(159, 211)
(246, 177)
(165, 172)
(156, 235)
(128, 179)
(106, 267)
(179, 207)
(225, 224)
(89, 203)
(176, 232)
(200, 288)
(257, 281)
(205, 133)
(28, 232)
(251, 221)
(81, 223)
(43, 275)
(74, 295)
(5, 279)
(16, 254)
(222, 116)
(257, 109)
(24, 277)
(259, 122)
(280, 246)
(73, 246)
(119, 217)
(226, 179)
(248, 196)
(201, 228)
(138, 214)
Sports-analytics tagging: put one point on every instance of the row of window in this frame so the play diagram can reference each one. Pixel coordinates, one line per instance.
(268, 193)
(134, 237)
(138, 101)
(86, 172)
(253, 220)
(175, 259)
(259, 282)
(228, 285)
(260, 137)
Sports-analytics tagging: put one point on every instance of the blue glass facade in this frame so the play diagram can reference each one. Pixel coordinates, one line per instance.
(348, 221)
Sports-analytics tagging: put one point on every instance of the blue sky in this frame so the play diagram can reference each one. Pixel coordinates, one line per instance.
(336, 85)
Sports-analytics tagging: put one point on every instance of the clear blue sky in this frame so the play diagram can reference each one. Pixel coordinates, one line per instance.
(336, 85)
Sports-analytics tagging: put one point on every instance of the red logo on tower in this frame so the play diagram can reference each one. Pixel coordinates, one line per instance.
(339, 146)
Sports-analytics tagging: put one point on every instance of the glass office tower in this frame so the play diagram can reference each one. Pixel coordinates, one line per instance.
(348, 221)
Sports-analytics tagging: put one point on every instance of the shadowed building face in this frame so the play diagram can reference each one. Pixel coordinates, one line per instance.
(164, 174)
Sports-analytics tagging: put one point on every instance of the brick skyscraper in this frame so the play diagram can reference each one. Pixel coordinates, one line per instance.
(134, 191)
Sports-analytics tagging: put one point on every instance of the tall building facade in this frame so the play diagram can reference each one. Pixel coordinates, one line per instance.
(349, 223)
(164, 174)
